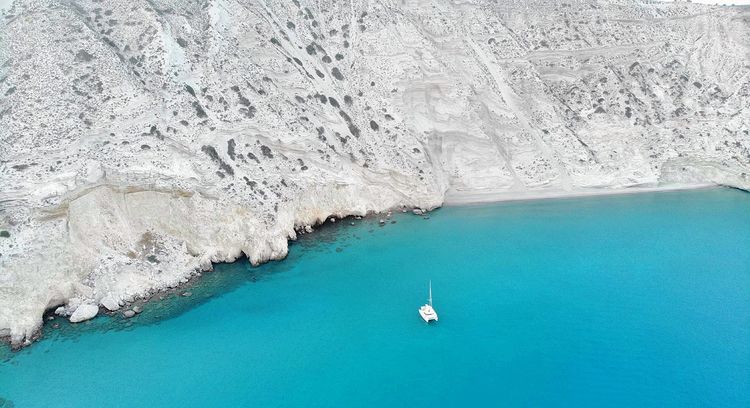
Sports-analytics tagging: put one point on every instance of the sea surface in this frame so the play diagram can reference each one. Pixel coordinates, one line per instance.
(635, 301)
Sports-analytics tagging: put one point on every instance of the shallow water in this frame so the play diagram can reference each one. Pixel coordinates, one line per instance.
(639, 300)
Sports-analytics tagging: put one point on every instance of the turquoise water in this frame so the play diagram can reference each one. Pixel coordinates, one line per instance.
(640, 300)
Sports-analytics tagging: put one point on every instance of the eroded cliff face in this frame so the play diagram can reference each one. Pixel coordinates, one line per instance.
(143, 140)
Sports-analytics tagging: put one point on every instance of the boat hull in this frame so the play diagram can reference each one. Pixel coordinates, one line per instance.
(428, 317)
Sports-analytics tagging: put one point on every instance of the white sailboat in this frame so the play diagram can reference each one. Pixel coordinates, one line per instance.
(427, 312)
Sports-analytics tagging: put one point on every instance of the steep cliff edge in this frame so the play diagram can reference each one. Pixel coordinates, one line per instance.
(143, 140)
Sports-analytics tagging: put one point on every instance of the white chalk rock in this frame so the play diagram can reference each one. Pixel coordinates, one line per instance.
(84, 312)
(93, 172)
(110, 303)
(139, 193)
(417, 211)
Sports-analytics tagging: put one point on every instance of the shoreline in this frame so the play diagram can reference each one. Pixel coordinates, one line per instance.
(475, 197)
(466, 198)
(158, 294)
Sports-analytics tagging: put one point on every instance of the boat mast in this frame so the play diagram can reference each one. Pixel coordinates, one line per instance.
(430, 299)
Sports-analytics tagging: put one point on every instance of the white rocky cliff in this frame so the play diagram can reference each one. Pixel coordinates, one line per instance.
(141, 141)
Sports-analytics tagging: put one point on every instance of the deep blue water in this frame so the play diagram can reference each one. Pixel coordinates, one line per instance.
(639, 300)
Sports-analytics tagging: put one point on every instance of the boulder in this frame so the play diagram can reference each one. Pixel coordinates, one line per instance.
(128, 313)
(417, 211)
(110, 303)
(84, 312)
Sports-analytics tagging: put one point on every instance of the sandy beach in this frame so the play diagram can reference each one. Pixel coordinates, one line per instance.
(468, 197)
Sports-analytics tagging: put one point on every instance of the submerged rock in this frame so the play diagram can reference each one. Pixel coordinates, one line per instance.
(84, 312)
